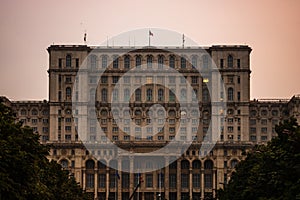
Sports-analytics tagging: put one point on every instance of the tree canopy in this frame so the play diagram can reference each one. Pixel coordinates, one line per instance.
(25, 171)
(269, 171)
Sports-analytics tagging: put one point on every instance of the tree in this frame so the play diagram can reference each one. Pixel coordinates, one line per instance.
(25, 171)
(269, 171)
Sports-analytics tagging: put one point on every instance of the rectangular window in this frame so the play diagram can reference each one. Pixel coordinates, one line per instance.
(264, 129)
(90, 180)
(264, 138)
(208, 180)
(172, 79)
(60, 63)
(77, 62)
(252, 130)
(184, 181)
(194, 79)
(45, 129)
(221, 63)
(252, 137)
(196, 180)
(67, 128)
(238, 63)
(125, 180)
(115, 79)
(160, 137)
(126, 79)
(104, 79)
(172, 181)
(126, 137)
(68, 137)
(149, 180)
(102, 180)
(230, 129)
(68, 79)
(160, 180)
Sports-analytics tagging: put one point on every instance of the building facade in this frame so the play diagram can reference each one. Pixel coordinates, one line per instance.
(198, 173)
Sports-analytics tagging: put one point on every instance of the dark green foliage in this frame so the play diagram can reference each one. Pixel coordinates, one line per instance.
(270, 171)
(25, 172)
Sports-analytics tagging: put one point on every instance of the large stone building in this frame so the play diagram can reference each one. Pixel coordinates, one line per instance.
(198, 172)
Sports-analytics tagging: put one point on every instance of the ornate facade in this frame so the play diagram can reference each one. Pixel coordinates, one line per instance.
(198, 173)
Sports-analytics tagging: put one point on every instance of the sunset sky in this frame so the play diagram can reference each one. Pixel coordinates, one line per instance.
(271, 28)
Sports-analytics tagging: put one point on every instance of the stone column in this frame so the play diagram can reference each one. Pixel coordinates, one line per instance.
(166, 174)
(191, 182)
(84, 179)
(179, 179)
(202, 184)
(131, 175)
(107, 182)
(96, 185)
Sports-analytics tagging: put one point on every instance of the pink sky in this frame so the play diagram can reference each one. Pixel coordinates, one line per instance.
(271, 28)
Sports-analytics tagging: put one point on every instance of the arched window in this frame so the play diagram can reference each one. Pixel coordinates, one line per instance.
(208, 164)
(194, 61)
(90, 164)
(205, 96)
(68, 92)
(196, 164)
(116, 62)
(138, 95)
(126, 95)
(149, 94)
(68, 60)
(230, 94)
(93, 61)
(64, 163)
(23, 112)
(183, 94)
(172, 61)
(104, 61)
(185, 164)
(160, 61)
(233, 163)
(34, 112)
(101, 164)
(127, 62)
(160, 94)
(182, 63)
(104, 113)
(138, 61)
(149, 61)
(230, 61)
(104, 95)
(115, 95)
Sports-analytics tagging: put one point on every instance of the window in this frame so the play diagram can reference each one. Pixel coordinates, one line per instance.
(238, 80)
(221, 63)
(104, 79)
(238, 63)
(90, 180)
(60, 63)
(194, 79)
(264, 112)
(230, 94)
(230, 61)
(184, 181)
(149, 180)
(149, 94)
(115, 95)
(125, 180)
(126, 95)
(77, 62)
(171, 96)
(208, 180)
(104, 61)
(275, 112)
(160, 61)
(172, 181)
(68, 79)
(172, 79)
(68, 92)
(182, 63)
(252, 130)
(194, 61)
(252, 121)
(183, 94)
(68, 60)
(68, 137)
(234, 162)
(127, 62)
(160, 94)
(126, 79)
(172, 61)
(205, 61)
(230, 129)
(115, 79)
(196, 180)
(264, 138)
(138, 61)
(138, 95)
(102, 180)
(205, 96)
(34, 112)
(253, 138)
(239, 96)
(264, 130)
(116, 62)
(149, 61)
(104, 95)
(93, 61)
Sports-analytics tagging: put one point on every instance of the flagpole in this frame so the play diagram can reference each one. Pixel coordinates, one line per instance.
(149, 37)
